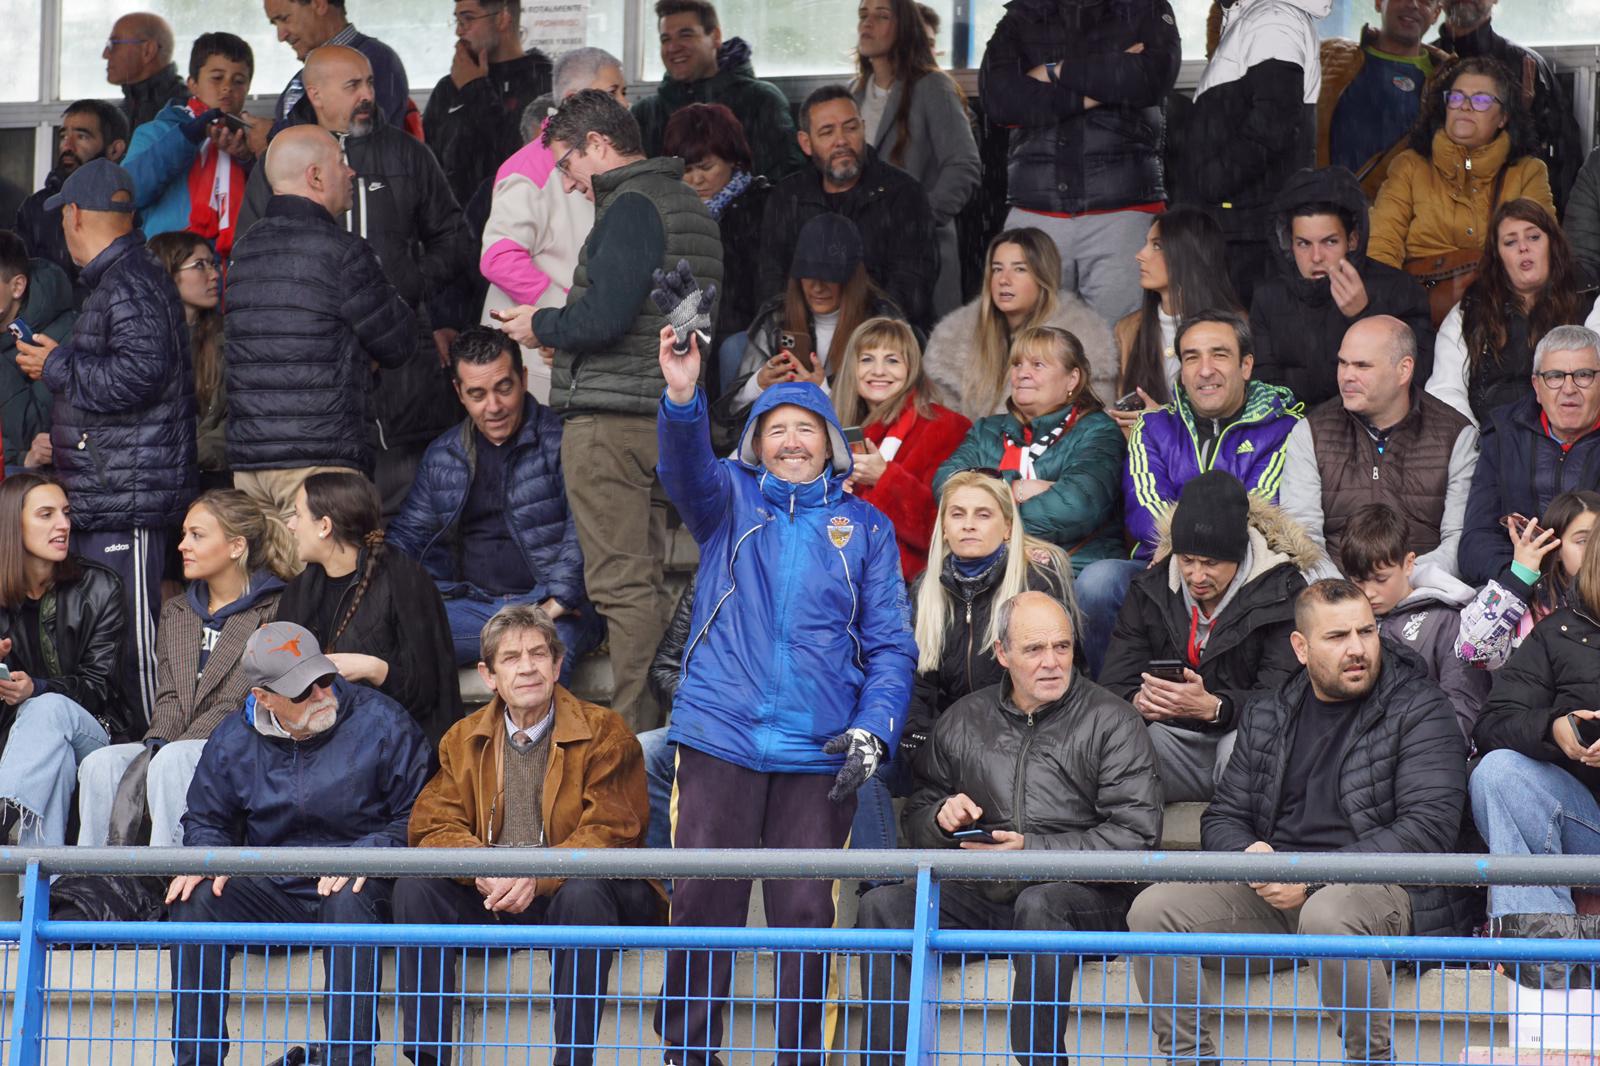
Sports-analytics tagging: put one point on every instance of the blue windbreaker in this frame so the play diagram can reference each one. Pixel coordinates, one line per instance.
(801, 623)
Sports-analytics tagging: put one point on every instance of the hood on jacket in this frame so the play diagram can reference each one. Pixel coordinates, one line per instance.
(262, 584)
(1275, 539)
(1327, 185)
(800, 394)
(48, 300)
(1433, 584)
(734, 58)
(1254, 31)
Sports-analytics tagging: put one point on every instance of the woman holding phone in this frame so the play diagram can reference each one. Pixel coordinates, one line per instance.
(904, 434)
(802, 334)
(1546, 554)
(61, 630)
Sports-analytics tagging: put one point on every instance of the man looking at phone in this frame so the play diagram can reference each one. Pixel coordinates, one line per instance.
(987, 752)
(190, 162)
(1207, 627)
(606, 379)
(1326, 284)
(1534, 449)
(35, 298)
(1359, 752)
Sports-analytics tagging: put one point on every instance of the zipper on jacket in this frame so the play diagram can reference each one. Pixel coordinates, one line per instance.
(1018, 792)
(850, 627)
(733, 584)
(970, 643)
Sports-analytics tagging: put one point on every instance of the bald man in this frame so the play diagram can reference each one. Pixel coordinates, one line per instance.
(1084, 762)
(307, 25)
(138, 58)
(1382, 440)
(309, 314)
(403, 207)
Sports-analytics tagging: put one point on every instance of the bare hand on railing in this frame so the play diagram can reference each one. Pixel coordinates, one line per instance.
(1561, 732)
(509, 895)
(183, 886)
(1284, 897)
(332, 886)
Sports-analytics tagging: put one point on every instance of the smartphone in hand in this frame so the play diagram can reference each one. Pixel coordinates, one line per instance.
(22, 331)
(977, 836)
(1167, 670)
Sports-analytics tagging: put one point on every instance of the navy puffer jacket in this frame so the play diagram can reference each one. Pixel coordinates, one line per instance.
(123, 417)
(309, 311)
(536, 506)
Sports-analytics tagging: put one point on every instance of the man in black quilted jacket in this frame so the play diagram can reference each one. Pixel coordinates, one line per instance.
(123, 412)
(310, 314)
(1360, 753)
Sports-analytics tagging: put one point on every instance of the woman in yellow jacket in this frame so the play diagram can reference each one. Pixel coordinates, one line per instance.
(1472, 149)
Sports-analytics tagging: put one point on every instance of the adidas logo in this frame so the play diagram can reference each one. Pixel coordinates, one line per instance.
(1246, 448)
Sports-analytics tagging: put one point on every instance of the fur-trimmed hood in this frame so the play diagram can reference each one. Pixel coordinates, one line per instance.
(953, 346)
(1275, 539)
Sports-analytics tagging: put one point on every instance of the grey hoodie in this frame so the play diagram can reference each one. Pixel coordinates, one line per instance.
(1427, 622)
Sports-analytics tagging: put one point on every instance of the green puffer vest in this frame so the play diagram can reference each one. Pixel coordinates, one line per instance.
(625, 378)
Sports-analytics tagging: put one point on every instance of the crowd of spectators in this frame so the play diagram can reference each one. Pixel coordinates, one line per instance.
(1254, 466)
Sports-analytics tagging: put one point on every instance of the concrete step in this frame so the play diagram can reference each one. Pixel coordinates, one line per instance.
(115, 1009)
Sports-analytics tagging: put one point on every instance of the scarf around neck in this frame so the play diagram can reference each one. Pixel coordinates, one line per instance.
(216, 191)
(730, 192)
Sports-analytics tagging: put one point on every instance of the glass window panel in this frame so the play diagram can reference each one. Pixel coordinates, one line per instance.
(19, 73)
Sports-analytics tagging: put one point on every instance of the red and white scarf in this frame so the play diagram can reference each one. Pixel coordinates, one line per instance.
(1020, 455)
(216, 191)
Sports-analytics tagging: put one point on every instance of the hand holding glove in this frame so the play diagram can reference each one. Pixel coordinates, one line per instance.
(686, 305)
(194, 130)
(862, 753)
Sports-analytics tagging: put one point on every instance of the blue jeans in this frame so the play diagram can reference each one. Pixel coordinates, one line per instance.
(1100, 589)
(39, 768)
(1527, 807)
(874, 826)
(730, 353)
(468, 614)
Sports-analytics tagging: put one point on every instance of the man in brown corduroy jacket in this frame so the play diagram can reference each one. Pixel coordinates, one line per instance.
(536, 767)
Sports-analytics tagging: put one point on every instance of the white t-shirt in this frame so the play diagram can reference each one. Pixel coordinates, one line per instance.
(872, 108)
(1169, 345)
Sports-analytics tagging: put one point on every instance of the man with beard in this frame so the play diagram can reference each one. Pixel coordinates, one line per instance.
(403, 208)
(1467, 32)
(306, 25)
(310, 760)
(1360, 753)
(887, 205)
(89, 129)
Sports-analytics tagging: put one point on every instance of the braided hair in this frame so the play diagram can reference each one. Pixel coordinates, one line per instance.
(351, 505)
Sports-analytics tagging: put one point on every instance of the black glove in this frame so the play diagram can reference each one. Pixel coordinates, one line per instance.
(910, 741)
(687, 307)
(862, 753)
(194, 130)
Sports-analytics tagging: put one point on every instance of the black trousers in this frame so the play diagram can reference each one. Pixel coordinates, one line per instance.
(581, 978)
(1039, 983)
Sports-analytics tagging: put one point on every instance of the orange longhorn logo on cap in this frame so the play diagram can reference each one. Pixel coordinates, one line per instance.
(291, 646)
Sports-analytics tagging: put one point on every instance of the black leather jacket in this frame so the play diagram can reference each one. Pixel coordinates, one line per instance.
(89, 618)
(666, 669)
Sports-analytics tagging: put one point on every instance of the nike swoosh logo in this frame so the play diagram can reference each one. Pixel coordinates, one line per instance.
(374, 186)
(453, 110)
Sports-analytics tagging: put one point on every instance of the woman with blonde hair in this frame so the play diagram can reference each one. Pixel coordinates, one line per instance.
(905, 435)
(1057, 448)
(236, 559)
(980, 557)
(969, 353)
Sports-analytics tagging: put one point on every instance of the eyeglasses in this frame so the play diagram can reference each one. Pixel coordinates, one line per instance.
(325, 681)
(1555, 379)
(203, 266)
(112, 42)
(561, 164)
(464, 20)
(1457, 100)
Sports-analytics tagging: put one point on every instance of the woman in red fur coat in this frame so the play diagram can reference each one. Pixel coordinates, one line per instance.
(880, 387)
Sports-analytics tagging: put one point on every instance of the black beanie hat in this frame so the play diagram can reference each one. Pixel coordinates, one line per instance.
(1213, 518)
(827, 249)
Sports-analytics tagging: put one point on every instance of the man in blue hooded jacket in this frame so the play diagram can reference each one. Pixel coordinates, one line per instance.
(796, 680)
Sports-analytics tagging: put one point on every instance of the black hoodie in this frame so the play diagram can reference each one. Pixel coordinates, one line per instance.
(1295, 324)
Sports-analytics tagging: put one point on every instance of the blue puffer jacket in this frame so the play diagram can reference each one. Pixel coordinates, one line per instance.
(801, 624)
(351, 786)
(1163, 454)
(536, 507)
(123, 416)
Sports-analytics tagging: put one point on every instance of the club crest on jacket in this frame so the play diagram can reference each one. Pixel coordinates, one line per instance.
(840, 530)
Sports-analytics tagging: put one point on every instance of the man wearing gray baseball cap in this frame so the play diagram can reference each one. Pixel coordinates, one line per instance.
(309, 761)
(122, 432)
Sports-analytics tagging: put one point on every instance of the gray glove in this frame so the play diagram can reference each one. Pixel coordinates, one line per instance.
(687, 307)
(862, 753)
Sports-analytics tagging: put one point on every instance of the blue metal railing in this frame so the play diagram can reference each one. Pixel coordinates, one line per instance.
(94, 992)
